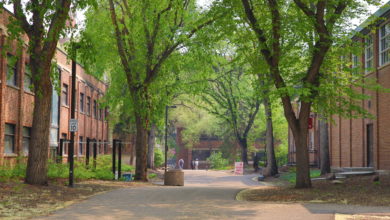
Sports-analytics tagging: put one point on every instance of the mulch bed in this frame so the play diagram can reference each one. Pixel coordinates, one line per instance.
(19, 200)
(355, 190)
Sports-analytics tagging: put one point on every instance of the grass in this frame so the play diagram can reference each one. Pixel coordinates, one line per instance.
(229, 167)
(291, 176)
(354, 190)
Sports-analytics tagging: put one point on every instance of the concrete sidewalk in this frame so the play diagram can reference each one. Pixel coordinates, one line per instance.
(206, 195)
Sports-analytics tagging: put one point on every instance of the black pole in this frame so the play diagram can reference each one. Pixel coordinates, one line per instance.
(94, 154)
(60, 151)
(87, 153)
(166, 138)
(119, 159)
(72, 116)
(113, 156)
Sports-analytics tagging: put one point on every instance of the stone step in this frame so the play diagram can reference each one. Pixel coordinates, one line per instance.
(354, 173)
(357, 169)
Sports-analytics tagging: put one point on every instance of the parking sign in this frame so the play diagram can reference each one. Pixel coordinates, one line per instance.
(73, 125)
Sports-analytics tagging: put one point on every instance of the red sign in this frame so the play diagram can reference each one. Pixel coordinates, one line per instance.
(310, 123)
(239, 168)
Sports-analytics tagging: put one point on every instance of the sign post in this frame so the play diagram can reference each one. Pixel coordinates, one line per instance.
(239, 168)
(73, 125)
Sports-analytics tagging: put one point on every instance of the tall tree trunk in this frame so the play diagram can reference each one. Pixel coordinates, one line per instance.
(303, 169)
(141, 145)
(272, 167)
(132, 149)
(244, 150)
(141, 140)
(324, 148)
(36, 172)
(151, 144)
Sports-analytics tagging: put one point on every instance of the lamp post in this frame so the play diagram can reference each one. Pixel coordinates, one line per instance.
(166, 135)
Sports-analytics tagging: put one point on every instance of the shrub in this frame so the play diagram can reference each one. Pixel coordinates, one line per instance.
(217, 161)
(58, 170)
(61, 170)
(281, 153)
(158, 157)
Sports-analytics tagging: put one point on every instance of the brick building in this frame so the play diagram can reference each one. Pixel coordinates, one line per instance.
(364, 142)
(206, 146)
(17, 100)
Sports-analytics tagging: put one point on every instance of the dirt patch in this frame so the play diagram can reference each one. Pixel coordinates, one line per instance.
(19, 200)
(356, 190)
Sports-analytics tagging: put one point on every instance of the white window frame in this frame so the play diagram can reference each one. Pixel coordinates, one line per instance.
(355, 64)
(368, 47)
(381, 50)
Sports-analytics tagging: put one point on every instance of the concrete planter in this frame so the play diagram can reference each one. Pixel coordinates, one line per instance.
(174, 178)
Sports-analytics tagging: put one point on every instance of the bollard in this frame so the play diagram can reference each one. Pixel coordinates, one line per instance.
(60, 151)
(119, 159)
(113, 156)
(87, 153)
(94, 154)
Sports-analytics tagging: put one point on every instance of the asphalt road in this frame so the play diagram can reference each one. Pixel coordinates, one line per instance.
(206, 195)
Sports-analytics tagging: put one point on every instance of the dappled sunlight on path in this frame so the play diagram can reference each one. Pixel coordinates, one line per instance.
(206, 195)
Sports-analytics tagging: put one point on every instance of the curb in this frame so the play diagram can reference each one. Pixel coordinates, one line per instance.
(359, 217)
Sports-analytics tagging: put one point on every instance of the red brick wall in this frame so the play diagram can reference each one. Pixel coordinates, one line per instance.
(17, 104)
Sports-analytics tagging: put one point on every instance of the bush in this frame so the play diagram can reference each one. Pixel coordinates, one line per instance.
(217, 161)
(281, 153)
(13, 172)
(61, 170)
(158, 157)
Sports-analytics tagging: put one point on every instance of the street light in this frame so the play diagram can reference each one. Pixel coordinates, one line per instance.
(166, 134)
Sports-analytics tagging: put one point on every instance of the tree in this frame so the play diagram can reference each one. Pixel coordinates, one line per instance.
(147, 34)
(272, 167)
(43, 29)
(322, 20)
(232, 98)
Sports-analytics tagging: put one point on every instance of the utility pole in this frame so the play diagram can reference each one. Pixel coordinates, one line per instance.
(72, 116)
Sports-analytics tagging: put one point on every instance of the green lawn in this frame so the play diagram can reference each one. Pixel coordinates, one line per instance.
(291, 176)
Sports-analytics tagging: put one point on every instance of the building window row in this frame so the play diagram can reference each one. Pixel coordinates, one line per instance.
(384, 44)
(384, 50)
(369, 54)
(97, 112)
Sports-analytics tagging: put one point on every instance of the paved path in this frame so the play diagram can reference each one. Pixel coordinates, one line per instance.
(206, 195)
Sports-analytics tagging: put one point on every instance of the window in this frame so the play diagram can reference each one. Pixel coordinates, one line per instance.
(12, 71)
(9, 139)
(81, 102)
(105, 113)
(100, 114)
(65, 147)
(26, 139)
(355, 64)
(27, 78)
(88, 105)
(80, 145)
(99, 147)
(369, 54)
(94, 109)
(384, 44)
(64, 95)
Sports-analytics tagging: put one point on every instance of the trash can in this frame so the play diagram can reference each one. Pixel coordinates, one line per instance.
(127, 177)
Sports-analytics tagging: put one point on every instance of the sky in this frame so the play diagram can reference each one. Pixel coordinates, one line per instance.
(206, 3)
